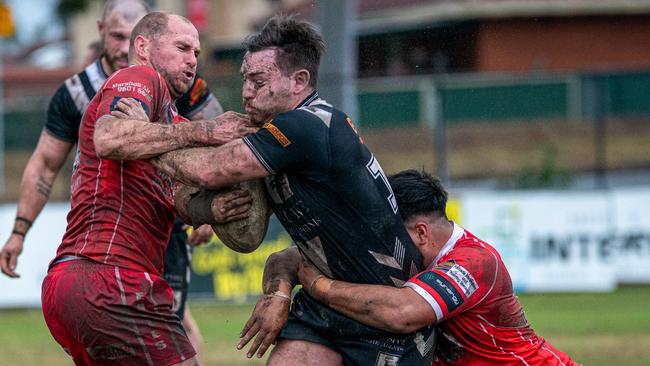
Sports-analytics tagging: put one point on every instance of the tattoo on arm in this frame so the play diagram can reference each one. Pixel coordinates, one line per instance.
(43, 187)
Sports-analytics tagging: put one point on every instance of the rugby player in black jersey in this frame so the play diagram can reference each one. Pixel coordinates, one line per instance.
(61, 134)
(328, 191)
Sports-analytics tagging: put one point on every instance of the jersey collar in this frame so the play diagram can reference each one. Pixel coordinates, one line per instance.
(307, 101)
(449, 245)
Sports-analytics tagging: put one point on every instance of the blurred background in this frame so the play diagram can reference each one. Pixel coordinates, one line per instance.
(535, 113)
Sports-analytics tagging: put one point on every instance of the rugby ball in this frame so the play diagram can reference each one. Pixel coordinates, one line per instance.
(246, 235)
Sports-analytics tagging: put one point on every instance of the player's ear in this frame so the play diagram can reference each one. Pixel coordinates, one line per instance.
(421, 233)
(141, 47)
(301, 80)
(100, 28)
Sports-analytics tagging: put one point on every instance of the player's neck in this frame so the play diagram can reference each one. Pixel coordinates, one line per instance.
(300, 98)
(442, 231)
(106, 67)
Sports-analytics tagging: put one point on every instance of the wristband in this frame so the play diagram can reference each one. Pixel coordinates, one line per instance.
(19, 233)
(313, 283)
(25, 220)
(282, 295)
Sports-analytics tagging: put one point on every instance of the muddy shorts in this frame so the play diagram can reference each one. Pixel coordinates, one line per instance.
(358, 344)
(108, 315)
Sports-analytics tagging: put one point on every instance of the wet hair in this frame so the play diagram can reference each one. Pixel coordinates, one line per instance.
(131, 10)
(297, 43)
(418, 192)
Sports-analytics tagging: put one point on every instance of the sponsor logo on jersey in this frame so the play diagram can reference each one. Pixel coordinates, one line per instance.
(445, 289)
(463, 278)
(282, 139)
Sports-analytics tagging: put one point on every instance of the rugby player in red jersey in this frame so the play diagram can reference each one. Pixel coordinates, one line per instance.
(466, 291)
(103, 298)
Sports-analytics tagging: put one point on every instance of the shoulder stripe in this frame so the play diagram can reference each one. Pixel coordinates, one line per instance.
(88, 87)
(259, 156)
(96, 76)
(318, 111)
(428, 298)
(76, 90)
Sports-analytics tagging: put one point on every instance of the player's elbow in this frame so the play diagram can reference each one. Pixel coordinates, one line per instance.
(406, 318)
(105, 142)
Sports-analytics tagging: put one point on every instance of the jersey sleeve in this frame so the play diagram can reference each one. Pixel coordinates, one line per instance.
(457, 283)
(132, 82)
(63, 118)
(194, 99)
(296, 141)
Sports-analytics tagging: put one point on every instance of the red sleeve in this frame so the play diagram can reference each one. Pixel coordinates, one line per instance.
(458, 282)
(140, 83)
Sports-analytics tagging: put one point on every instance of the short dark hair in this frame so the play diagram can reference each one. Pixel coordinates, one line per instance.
(418, 192)
(151, 26)
(297, 43)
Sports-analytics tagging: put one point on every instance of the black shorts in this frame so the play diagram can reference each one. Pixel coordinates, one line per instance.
(358, 344)
(177, 267)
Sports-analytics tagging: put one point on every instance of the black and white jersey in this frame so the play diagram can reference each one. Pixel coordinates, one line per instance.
(332, 197)
(72, 98)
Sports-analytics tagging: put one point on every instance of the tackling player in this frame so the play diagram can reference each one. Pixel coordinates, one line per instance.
(61, 134)
(326, 188)
(466, 291)
(103, 299)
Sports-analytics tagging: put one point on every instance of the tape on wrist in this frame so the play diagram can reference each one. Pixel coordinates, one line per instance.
(19, 233)
(282, 295)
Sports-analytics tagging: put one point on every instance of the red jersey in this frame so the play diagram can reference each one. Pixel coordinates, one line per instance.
(480, 319)
(121, 210)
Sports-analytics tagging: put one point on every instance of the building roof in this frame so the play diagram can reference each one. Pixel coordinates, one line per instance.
(378, 16)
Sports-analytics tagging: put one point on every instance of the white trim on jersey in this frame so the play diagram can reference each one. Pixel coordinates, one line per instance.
(428, 298)
(553, 353)
(96, 74)
(77, 93)
(119, 214)
(450, 244)
(92, 216)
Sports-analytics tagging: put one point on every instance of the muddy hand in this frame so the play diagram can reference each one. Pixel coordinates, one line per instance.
(129, 108)
(269, 316)
(231, 206)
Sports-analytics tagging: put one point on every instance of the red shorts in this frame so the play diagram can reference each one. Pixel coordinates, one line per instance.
(107, 315)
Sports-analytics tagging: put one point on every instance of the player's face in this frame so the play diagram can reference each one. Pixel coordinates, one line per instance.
(115, 33)
(174, 55)
(266, 92)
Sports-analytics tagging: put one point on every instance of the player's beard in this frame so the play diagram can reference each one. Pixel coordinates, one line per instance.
(116, 62)
(175, 82)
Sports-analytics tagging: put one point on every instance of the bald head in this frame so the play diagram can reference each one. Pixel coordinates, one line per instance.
(154, 25)
(130, 10)
(170, 44)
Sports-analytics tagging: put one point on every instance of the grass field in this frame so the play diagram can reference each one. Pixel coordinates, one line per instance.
(595, 329)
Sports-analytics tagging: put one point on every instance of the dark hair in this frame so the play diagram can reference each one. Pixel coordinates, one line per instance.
(297, 43)
(418, 193)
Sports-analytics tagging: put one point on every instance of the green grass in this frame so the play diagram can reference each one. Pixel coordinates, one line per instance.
(595, 329)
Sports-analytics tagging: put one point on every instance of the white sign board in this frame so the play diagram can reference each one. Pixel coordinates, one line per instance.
(39, 249)
(628, 245)
(548, 240)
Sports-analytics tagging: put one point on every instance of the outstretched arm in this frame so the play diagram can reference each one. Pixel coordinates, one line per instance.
(212, 167)
(38, 177)
(272, 309)
(396, 310)
(130, 139)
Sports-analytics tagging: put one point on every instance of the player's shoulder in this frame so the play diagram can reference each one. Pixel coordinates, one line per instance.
(134, 73)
